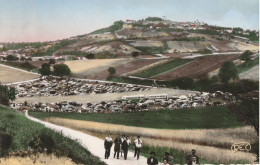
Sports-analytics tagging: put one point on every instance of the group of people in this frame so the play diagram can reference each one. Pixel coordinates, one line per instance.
(121, 144)
(191, 159)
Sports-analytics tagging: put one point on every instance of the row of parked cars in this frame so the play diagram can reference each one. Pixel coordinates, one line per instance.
(132, 104)
(55, 86)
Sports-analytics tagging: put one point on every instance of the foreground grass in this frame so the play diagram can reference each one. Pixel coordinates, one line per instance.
(24, 133)
(209, 117)
(163, 68)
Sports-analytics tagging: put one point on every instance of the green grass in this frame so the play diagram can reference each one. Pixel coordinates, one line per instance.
(246, 66)
(153, 50)
(200, 118)
(25, 133)
(163, 68)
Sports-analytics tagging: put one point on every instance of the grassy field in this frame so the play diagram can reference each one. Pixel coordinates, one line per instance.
(212, 145)
(165, 67)
(8, 75)
(19, 133)
(210, 117)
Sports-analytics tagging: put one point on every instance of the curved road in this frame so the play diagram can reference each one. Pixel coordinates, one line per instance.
(93, 144)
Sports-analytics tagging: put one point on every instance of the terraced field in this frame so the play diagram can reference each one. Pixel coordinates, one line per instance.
(198, 67)
(163, 68)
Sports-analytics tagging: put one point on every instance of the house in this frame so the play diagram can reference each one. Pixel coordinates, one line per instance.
(128, 24)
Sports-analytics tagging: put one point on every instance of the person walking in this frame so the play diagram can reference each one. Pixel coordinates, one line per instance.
(122, 140)
(138, 145)
(168, 158)
(125, 146)
(108, 144)
(117, 146)
(152, 160)
(192, 159)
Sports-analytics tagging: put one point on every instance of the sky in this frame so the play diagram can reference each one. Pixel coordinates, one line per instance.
(48, 20)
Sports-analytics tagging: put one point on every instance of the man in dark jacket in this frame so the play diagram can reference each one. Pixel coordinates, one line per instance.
(117, 146)
(125, 146)
(168, 158)
(193, 158)
(152, 160)
(108, 144)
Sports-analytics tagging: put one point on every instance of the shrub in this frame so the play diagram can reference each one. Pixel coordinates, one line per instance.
(12, 58)
(111, 70)
(61, 70)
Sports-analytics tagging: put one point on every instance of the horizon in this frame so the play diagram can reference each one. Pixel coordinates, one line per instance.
(43, 21)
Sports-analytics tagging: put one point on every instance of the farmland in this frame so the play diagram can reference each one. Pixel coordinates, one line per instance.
(86, 68)
(8, 75)
(167, 119)
(125, 68)
(165, 67)
(181, 130)
(198, 67)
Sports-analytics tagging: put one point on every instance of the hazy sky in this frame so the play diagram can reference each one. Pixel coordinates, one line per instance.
(44, 20)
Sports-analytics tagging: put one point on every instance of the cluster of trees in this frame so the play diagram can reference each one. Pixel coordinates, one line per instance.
(117, 25)
(6, 94)
(12, 58)
(229, 71)
(58, 69)
(153, 19)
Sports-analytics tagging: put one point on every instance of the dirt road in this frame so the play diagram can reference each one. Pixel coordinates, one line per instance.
(93, 144)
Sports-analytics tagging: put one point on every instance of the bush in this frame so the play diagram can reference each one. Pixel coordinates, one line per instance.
(45, 70)
(111, 70)
(61, 70)
(12, 58)
(5, 142)
(228, 71)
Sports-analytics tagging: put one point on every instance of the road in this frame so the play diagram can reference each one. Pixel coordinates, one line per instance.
(93, 144)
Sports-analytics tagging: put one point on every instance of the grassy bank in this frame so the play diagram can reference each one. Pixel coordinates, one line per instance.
(210, 117)
(20, 133)
(168, 66)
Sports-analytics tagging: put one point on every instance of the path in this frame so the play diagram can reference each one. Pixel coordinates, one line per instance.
(93, 144)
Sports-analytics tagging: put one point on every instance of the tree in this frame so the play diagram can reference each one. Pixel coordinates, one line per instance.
(228, 71)
(6, 94)
(90, 56)
(246, 56)
(12, 58)
(61, 70)
(51, 61)
(135, 54)
(111, 70)
(45, 70)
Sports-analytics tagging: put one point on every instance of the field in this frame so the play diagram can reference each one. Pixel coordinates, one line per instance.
(160, 69)
(251, 74)
(198, 67)
(125, 68)
(8, 75)
(146, 43)
(40, 159)
(20, 133)
(210, 117)
(177, 131)
(86, 68)
(186, 46)
(243, 46)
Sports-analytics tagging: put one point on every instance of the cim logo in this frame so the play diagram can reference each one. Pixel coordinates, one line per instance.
(243, 146)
